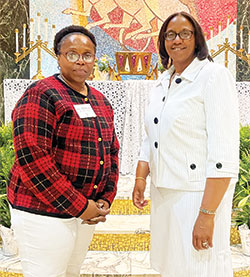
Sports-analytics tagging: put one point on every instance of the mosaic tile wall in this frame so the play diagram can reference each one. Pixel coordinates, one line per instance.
(12, 15)
(122, 25)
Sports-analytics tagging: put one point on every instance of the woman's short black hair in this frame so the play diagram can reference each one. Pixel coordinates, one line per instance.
(70, 30)
(201, 49)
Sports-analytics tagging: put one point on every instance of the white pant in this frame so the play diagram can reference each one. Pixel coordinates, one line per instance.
(50, 246)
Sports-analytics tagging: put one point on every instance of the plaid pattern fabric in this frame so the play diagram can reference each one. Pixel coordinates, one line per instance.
(61, 159)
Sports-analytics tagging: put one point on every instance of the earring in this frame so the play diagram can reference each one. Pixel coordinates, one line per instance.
(58, 67)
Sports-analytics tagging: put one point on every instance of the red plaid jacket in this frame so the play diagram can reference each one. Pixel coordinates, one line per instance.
(61, 159)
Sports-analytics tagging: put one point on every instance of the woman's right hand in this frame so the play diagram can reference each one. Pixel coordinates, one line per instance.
(138, 194)
(94, 213)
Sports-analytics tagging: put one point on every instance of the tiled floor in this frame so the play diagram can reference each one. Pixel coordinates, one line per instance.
(121, 262)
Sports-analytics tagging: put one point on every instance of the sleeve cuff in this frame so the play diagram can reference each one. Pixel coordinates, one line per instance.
(222, 169)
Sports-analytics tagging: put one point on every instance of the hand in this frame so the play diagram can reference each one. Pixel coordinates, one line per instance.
(94, 213)
(103, 204)
(203, 231)
(138, 195)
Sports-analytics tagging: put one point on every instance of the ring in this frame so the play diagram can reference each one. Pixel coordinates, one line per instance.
(205, 244)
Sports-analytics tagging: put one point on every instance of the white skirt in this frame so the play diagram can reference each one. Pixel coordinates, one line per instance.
(173, 214)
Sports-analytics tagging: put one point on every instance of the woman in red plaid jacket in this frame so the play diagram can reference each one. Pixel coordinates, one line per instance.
(65, 174)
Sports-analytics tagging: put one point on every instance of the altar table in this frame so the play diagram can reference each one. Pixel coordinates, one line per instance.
(129, 100)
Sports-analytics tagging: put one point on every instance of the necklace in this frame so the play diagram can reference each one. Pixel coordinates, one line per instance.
(173, 75)
(172, 78)
(84, 91)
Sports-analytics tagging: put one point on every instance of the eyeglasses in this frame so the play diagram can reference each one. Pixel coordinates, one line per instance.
(74, 57)
(184, 34)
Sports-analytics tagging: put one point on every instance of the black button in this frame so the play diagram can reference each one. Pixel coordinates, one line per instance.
(156, 144)
(156, 120)
(178, 80)
(193, 166)
(219, 165)
(163, 99)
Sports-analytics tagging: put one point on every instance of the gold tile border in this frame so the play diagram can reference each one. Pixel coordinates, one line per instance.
(10, 274)
(134, 241)
(242, 273)
(126, 207)
(120, 242)
(234, 236)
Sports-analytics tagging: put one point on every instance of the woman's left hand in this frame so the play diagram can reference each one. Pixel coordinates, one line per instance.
(203, 231)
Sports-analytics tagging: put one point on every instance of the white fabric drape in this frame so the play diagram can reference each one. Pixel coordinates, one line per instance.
(129, 100)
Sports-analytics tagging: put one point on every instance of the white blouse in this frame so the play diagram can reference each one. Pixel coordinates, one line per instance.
(192, 128)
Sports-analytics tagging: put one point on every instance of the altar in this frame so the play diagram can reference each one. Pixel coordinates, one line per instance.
(129, 100)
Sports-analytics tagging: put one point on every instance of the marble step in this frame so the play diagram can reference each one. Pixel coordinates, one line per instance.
(124, 224)
(120, 264)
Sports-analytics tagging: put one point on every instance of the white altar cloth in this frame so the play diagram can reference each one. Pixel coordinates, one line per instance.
(129, 100)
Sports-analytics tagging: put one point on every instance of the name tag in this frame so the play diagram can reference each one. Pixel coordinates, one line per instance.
(84, 110)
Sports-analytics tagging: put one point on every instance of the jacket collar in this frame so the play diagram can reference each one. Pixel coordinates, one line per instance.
(189, 73)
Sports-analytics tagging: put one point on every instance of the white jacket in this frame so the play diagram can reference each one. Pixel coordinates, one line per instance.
(192, 128)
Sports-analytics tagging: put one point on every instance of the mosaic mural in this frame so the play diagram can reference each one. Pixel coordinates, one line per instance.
(137, 26)
(121, 25)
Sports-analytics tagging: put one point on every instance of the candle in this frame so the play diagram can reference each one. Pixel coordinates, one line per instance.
(241, 37)
(228, 21)
(38, 24)
(205, 35)
(24, 35)
(211, 38)
(16, 30)
(249, 42)
(219, 32)
(234, 32)
(31, 29)
(46, 29)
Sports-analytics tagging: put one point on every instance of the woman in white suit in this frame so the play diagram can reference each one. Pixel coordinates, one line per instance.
(191, 151)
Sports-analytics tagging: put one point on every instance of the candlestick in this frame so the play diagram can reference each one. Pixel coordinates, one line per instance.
(228, 21)
(46, 29)
(39, 45)
(24, 35)
(241, 37)
(211, 38)
(38, 24)
(16, 30)
(31, 30)
(219, 32)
